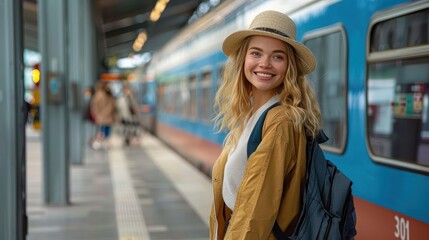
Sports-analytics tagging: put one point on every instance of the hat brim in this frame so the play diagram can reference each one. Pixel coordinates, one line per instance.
(305, 57)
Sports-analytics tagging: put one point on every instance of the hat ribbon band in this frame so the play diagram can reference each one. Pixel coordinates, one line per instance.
(270, 30)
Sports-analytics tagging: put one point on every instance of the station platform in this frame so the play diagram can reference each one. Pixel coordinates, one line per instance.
(140, 192)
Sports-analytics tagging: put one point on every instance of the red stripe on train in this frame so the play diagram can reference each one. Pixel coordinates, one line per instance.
(200, 152)
(375, 222)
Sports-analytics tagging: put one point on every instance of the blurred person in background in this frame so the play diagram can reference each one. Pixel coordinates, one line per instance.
(88, 115)
(27, 110)
(127, 113)
(103, 108)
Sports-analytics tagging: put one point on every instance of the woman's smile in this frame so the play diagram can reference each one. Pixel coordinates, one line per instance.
(264, 75)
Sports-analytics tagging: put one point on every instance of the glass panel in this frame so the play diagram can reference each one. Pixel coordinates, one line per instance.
(171, 98)
(220, 77)
(206, 96)
(398, 110)
(329, 82)
(193, 97)
(161, 99)
(186, 98)
(177, 99)
(405, 31)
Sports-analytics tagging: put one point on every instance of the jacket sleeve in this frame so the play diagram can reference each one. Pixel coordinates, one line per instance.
(95, 109)
(260, 192)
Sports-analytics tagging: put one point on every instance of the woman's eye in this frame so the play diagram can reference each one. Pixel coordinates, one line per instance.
(256, 54)
(278, 57)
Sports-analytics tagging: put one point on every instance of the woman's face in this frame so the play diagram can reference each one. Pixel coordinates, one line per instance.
(265, 64)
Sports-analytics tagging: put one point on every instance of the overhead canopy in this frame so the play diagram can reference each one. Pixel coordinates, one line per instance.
(121, 21)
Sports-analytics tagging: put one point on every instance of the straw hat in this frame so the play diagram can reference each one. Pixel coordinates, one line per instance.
(277, 25)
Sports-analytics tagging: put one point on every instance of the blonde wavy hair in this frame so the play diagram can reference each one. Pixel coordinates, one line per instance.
(233, 99)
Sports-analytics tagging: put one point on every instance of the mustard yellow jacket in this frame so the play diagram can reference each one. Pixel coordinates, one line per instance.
(271, 186)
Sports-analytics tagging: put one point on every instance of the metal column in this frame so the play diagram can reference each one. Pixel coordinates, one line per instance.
(76, 79)
(13, 222)
(81, 51)
(54, 84)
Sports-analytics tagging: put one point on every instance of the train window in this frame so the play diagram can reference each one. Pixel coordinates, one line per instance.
(189, 94)
(409, 30)
(220, 76)
(397, 111)
(165, 98)
(176, 97)
(171, 98)
(185, 98)
(194, 99)
(330, 84)
(162, 103)
(206, 96)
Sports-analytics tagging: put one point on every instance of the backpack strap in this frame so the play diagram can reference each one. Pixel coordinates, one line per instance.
(253, 143)
(311, 145)
(321, 137)
(256, 135)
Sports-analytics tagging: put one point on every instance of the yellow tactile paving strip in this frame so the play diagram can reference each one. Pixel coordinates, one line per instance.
(129, 217)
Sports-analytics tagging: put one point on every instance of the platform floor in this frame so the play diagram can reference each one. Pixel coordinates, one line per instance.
(141, 192)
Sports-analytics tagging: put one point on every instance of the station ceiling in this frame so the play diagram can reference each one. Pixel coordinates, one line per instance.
(120, 21)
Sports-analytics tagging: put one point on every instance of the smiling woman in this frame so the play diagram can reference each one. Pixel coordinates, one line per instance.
(266, 66)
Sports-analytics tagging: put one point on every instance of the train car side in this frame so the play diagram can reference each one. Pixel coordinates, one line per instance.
(371, 102)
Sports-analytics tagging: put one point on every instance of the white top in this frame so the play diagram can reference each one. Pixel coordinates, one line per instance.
(237, 158)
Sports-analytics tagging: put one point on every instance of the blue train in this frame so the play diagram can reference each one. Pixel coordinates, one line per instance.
(372, 82)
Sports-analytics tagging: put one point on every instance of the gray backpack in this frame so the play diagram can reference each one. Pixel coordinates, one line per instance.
(327, 210)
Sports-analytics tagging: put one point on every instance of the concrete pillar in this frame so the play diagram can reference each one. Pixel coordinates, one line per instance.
(13, 221)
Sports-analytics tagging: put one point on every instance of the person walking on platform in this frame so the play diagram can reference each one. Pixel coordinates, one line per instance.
(103, 106)
(127, 114)
(266, 65)
(88, 115)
